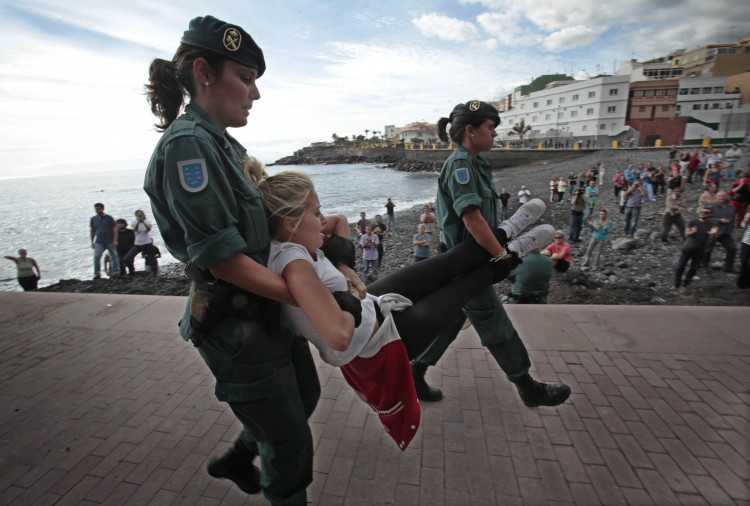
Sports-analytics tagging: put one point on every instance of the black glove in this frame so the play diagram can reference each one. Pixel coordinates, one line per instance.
(339, 250)
(503, 268)
(351, 304)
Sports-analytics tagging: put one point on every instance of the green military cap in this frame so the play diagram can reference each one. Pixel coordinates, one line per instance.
(476, 108)
(228, 40)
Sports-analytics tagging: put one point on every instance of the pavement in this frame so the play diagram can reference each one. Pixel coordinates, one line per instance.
(102, 403)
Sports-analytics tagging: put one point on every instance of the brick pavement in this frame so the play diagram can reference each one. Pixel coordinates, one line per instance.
(101, 403)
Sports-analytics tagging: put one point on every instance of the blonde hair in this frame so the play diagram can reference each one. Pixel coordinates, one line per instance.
(285, 195)
(253, 170)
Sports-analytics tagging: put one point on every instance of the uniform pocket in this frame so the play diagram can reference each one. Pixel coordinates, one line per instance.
(251, 217)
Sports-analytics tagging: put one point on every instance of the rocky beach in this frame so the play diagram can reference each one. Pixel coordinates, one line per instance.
(640, 274)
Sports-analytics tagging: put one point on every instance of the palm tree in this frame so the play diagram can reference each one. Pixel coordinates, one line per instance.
(366, 132)
(520, 129)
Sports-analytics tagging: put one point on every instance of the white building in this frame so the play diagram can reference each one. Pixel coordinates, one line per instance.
(591, 110)
(713, 112)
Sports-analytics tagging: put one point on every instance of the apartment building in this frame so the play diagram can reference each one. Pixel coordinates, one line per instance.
(591, 110)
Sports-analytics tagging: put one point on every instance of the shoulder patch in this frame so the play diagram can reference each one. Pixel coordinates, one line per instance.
(193, 174)
(462, 175)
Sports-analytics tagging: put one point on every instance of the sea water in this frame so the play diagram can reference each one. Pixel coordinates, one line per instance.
(49, 215)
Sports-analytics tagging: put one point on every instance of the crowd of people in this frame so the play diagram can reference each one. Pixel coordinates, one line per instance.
(700, 227)
(122, 243)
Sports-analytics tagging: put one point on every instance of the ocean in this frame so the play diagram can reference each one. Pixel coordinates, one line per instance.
(49, 215)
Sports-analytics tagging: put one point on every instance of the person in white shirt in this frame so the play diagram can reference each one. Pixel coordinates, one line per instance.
(523, 195)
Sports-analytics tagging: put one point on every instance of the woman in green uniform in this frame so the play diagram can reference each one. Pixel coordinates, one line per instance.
(467, 207)
(212, 218)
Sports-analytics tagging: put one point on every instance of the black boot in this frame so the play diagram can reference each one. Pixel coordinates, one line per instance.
(534, 393)
(425, 392)
(236, 464)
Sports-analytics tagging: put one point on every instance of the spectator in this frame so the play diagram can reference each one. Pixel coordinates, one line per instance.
(599, 231)
(151, 257)
(523, 195)
(504, 200)
(708, 197)
(634, 197)
(673, 210)
(561, 186)
(659, 180)
(577, 207)
(125, 241)
(143, 241)
(731, 157)
(559, 253)
(697, 235)
(103, 237)
(692, 166)
(428, 219)
(646, 175)
(740, 195)
(601, 173)
(381, 230)
(591, 197)
(369, 244)
(552, 189)
(713, 175)
(25, 267)
(530, 279)
(572, 182)
(363, 223)
(723, 214)
(422, 242)
(619, 183)
(389, 206)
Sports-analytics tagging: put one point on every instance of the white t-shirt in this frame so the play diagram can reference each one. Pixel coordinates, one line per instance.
(363, 342)
(141, 233)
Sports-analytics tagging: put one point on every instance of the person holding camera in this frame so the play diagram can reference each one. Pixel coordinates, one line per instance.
(577, 206)
(634, 197)
(143, 241)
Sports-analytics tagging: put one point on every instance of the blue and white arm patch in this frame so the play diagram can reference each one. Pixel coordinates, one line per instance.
(462, 175)
(193, 174)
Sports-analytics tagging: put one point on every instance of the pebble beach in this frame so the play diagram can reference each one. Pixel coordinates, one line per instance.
(641, 275)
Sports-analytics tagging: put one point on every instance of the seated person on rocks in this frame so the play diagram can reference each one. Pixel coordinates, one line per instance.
(530, 279)
(373, 339)
(559, 252)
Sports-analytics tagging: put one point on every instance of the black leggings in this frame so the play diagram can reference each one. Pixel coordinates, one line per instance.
(438, 288)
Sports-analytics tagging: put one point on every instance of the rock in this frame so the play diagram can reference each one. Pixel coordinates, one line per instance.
(624, 243)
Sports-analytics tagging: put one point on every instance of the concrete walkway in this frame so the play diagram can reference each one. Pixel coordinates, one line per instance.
(102, 403)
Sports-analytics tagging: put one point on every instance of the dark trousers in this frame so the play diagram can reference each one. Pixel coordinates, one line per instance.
(694, 257)
(574, 227)
(28, 283)
(730, 248)
(631, 219)
(668, 221)
(139, 248)
(126, 261)
(743, 281)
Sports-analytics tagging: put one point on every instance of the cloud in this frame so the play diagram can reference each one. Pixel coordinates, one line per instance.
(506, 29)
(445, 27)
(570, 38)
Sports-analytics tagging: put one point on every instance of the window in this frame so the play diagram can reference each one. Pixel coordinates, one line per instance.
(728, 106)
(706, 90)
(661, 93)
(536, 104)
(592, 94)
(584, 128)
(573, 114)
(684, 91)
(718, 89)
(715, 105)
(589, 111)
(638, 93)
(695, 91)
(673, 92)
(602, 126)
(642, 109)
(679, 107)
(705, 107)
(575, 98)
(547, 116)
(665, 108)
(612, 108)
(534, 118)
(549, 101)
(562, 100)
(613, 92)
(523, 106)
(696, 107)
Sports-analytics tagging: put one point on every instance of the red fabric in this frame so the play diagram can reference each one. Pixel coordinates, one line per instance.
(384, 381)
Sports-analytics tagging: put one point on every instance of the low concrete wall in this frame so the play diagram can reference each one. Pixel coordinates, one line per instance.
(500, 158)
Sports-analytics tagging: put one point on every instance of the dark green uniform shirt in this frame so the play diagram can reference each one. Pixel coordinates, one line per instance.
(206, 209)
(464, 182)
(533, 275)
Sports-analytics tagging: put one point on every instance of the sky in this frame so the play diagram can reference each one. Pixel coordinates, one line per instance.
(72, 73)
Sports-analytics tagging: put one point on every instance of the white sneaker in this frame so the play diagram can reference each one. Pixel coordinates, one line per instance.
(525, 216)
(536, 238)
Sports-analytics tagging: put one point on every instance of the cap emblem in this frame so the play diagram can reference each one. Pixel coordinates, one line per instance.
(232, 39)
(474, 105)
